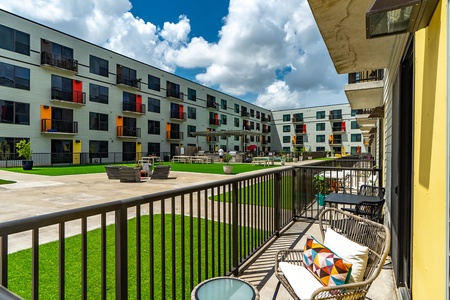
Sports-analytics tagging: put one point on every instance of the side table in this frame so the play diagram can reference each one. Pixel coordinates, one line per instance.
(224, 288)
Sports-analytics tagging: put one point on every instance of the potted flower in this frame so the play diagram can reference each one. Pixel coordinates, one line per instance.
(23, 148)
(321, 185)
(227, 169)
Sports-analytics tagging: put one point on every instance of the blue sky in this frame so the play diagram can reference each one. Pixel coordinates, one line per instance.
(269, 52)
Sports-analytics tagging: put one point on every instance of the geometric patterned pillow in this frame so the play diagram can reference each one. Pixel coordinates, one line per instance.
(329, 268)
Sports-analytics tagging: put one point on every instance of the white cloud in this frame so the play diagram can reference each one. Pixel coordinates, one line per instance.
(269, 48)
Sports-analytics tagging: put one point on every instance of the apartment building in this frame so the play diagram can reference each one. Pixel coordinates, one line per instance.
(331, 128)
(70, 96)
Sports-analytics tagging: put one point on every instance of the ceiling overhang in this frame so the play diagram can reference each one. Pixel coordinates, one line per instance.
(364, 95)
(342, 25)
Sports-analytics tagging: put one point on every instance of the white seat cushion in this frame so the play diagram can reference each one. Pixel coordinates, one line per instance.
(350, 251)
(302, 281)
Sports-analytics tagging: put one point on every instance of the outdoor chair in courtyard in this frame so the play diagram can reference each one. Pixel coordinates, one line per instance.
(344, 266)
(161, 172)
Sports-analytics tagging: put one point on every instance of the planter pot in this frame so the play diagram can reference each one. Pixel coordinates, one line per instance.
(300, 158)
(283, 162)
(228, 169)
(27, 164)
(295, 159)
(321, 199)
(309, 157)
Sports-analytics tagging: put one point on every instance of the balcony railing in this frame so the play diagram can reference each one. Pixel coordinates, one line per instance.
(177, 115)
(245, 114)
(129, 81)
(174, 94)
(58, 61)
(212, 104)
(334, 116)
(133, 107)
(58, 126)
(75, 97)
(182, 236)
(128, 131)
(300, 131)
(214, 122)
(174, 135)
(372, 75)
(297, 119)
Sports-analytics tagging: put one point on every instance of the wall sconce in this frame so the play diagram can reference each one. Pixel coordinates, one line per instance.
(139, 143)
(120, 117)
(46, 107)
(389, 17)
(77, 141)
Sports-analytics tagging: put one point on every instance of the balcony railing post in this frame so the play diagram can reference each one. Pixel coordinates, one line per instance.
(235, 227)
(277, 202)
(121, 254)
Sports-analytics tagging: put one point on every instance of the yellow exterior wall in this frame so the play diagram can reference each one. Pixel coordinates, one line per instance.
(429, 190)
(76, 146)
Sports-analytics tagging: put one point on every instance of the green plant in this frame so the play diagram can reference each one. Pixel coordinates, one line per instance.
(295, 151)
(321, 184)
(309, 150)
(23, 148)
(227, 158)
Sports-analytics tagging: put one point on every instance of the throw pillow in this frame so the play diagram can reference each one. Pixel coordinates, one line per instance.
(328, 267)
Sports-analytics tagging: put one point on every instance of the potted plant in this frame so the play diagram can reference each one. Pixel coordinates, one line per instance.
(227, 169)
(282, 158)
(23, 148)
(302, 152)
(295, 154)
(321, 185)
(309, 153)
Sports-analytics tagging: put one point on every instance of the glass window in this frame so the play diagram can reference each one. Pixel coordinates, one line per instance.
(192, 94)
(223, 119)
(286, 139)
(286, 118)
(14, 76)
(192, 113)
(356, 137)
(14, 40)
(252, 125)
(154, 105)
(98, 66)
(98, 121)
(320, 149)
(98, 149)
(14, 112)
(154, 83)
(286, 128)
(354, 112)
(190, 130)
(355, 125)
(320, 138)
(252, 112)
(236, 122)
(320, 126)
(354, 150)
(154, 148)
(320, 114)
(98, 93)
(154, 127)
(236, 108)
(223, 104)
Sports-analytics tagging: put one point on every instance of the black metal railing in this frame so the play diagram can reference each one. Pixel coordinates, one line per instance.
(214, 122)
(297, 119)
(133, 107)
(128, 131)
(173, 93)
(58, 126)
(156, 246)
(372, 75)
(71, 96)
(174, 135)
(212, 104)
(130, 81)
(178, 115)
(48, 58)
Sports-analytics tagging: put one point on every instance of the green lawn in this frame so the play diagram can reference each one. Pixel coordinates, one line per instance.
(215, 168)
(19, 275)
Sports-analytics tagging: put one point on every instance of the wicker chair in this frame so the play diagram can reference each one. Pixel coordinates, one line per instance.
(367, 233)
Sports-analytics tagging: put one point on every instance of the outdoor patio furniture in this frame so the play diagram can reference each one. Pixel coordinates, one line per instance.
(161, 172)
(363, 243)
(113, 172)
(371, 190)
(129, 174)
(370, 210)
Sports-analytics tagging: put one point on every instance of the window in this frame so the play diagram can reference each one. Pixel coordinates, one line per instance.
(14, 40)
(252, 113)
(320, 126)
(14, 112)
(258, 127)
(223, 119)
(354, 112)
(98, 121)
(192, 113)
(192, 94)
(173, 90)
(320, 114)
(154, 83)
(286, 118)
(190, 130)
(298, 117)
(320, 138)
(98, 66)
(127, 76)
(98, 149)
(354, 150)
(62, 88)
(98, 93)
(286, 128)
(14, 76)
(223, 104)
(258, 114)
(236, 108)
(336, 114)
(356, 137)
(320, 149)
(236, 122)
(355, 125)
(286, 139)
(286, 149)
(252, 125)
(154, 148)
(154, 105)
(154, 127)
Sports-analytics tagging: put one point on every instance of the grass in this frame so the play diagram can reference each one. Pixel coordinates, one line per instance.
(215, 168)
(19, 276)
(2, 181)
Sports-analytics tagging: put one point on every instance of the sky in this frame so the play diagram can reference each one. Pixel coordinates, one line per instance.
(266, 52)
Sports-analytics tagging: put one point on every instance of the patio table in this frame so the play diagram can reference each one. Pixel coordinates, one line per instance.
(349, 199)
(224, 288)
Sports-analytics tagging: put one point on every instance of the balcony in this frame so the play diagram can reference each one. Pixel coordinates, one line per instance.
(297, 119)
(245, 114)
(174, 135)
(176, 95)
(212, 105)
(131, 107)
(128, 132)
(178, 116)
(300, 131)
(365, 89)
(338, 127)
(335, 141)
(234, 235)
(49, 59)
(334, 116)
(214, 122)
(211, 139)
(74, 97)
(123, 80)
(51, 126)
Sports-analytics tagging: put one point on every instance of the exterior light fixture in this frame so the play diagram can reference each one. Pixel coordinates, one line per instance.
(389, 17)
